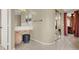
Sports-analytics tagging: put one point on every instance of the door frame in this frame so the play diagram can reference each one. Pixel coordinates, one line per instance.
(7, 13)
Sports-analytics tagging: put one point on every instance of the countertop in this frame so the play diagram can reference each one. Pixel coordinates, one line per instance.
(23, 28)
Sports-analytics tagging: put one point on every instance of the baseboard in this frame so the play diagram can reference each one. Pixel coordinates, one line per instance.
(43, 43)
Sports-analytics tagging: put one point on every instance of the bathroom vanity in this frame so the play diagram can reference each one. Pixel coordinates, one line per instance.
(19, 31)
(23, 24)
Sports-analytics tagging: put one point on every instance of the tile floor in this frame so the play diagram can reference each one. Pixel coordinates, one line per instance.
(65, 43)
(1, 48)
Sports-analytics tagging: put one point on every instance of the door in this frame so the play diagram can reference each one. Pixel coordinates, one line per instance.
(65, 24)
(4, 29)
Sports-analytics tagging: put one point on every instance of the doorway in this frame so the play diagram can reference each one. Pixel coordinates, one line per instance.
(68, 22)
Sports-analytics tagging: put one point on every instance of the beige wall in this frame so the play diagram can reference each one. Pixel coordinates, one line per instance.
(12, 29)
(45, 31)
(49, 26)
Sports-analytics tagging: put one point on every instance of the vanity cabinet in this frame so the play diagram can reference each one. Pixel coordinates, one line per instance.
(19, 33)
(18, 38)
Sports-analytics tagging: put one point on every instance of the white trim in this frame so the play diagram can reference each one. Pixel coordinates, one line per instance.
(4, 30)
(44, 43)
(9, 29)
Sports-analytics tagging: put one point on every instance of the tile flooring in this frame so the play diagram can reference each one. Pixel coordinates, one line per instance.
(65, 43)
(1, 48)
